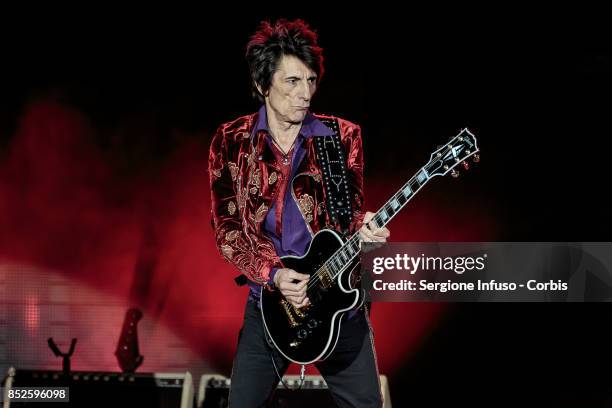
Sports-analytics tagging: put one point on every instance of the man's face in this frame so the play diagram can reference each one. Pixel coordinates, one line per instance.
(293, 85)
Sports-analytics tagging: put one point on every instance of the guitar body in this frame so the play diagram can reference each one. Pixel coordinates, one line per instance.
(310, 334)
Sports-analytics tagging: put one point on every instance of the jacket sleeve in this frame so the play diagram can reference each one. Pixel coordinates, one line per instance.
(251, 256)
(351, 136)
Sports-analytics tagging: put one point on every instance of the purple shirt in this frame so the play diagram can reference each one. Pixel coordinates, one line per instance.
(295, 236)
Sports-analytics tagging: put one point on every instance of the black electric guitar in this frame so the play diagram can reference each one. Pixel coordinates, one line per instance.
(310, 333)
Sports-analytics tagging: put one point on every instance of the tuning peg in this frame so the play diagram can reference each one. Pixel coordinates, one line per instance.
(466, 165)
(476, 158)
(454, 173)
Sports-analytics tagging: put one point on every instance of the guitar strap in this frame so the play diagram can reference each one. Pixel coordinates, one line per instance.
(332, 160)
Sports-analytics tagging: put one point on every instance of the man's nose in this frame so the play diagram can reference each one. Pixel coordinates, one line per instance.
(305, 92)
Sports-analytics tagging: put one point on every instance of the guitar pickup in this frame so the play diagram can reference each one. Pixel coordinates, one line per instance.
(325, 278)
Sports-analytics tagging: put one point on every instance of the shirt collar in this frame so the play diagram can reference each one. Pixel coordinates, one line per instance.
(311, 126)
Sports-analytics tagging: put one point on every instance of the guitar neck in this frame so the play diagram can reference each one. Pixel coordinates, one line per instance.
(442, 161)
(399, 200)
(347, 253)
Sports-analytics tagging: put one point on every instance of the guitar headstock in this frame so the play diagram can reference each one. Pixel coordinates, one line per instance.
(456, 151)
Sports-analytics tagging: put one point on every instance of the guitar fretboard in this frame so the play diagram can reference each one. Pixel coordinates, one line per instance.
(443, 160)
(345, 255)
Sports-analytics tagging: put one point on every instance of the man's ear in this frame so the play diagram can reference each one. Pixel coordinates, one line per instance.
(260, 90)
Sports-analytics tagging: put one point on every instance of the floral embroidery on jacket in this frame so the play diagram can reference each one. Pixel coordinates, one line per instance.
(256, 178)
(306, 203)
(273, 177)
(233, 168)
(216, 170)
(241, 197)
(232, 235)
(261, 213)
(227, 252)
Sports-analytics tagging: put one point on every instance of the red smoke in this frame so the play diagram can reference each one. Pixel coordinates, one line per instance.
(66, 205)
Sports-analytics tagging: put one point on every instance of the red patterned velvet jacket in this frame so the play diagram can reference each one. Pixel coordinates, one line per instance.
(244, 177)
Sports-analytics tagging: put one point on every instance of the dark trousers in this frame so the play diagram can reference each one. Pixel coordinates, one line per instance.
(350, 371)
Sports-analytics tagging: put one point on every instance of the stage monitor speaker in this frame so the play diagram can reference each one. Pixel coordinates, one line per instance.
(107, 389)
(213, 392)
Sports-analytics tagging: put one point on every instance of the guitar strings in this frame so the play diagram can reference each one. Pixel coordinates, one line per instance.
(353, 240)
(327, 263)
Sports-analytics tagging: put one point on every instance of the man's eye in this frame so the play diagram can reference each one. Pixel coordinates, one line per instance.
(292, 81)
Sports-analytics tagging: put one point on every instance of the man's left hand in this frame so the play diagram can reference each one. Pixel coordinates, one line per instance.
(370, 232)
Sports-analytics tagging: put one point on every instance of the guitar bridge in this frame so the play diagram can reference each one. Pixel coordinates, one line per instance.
(299, 313)
(287, 308)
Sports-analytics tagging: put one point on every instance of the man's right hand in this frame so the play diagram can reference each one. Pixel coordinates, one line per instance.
(295, 292)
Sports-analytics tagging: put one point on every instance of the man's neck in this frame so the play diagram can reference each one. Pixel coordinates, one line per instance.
(282, 131)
